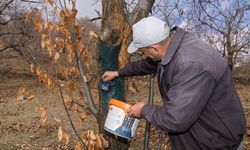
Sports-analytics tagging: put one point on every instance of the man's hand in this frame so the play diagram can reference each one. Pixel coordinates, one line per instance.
(135, 110)
(109, 75)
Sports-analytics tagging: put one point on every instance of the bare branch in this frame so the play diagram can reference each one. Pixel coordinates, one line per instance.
(8, 47)
(8, 21)
(29, 1)
(15, 33)
(89, 97)
(65, 107)
(5, 4)
(96, 18)
(209, 25)
(98, 13)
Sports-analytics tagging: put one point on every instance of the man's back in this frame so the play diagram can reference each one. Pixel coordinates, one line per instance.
(221, 123)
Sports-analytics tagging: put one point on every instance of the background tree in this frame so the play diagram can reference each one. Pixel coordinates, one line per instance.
(223, 24)
(14, 33)
(229, 24)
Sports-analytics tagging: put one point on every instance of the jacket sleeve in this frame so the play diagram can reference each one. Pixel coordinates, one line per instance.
(190, 91)
(140, 67)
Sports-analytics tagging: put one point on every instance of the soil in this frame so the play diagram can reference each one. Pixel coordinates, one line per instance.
(20, 127)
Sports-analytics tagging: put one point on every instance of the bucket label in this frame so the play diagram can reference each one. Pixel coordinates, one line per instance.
(120, 124)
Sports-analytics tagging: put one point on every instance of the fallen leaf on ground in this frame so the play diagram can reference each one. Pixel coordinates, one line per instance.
(30, 97)
(42, 111)
(60, 133)
(20, 94)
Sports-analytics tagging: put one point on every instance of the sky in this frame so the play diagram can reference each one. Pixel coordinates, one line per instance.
(86, 8)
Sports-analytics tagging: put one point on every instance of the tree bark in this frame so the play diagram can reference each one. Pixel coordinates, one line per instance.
(111, 35)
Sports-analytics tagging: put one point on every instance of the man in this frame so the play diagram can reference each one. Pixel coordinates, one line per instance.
(201, 109)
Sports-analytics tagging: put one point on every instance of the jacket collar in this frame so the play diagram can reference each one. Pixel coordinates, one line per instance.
(174, 44)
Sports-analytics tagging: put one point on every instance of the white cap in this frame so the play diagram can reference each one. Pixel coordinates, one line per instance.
(148, 31)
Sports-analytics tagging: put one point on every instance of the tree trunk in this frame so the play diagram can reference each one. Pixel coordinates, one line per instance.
(112, 47)
(110, 42)
(230, 59)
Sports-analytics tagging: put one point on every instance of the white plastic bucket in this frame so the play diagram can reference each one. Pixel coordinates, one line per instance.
(118, 123)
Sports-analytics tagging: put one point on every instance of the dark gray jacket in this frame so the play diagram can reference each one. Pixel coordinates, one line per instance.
(201, 109)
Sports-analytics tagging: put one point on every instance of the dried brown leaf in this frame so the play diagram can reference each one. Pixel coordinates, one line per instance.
(75, 107)
(51, 2)
(63, 135)
(68, 101)
(64, 71)
(73, 13)
(60, 133)
(30, 97)
(51, 25)
(93, 35)
(62, 14)
(20, 93)
(69, 53)
(66, 137)
(49, 46)
(57, 120)
(27, 17)
(104, 141)
(73, 71)
(51, 83)
(43, 40)
(57, 56)
(80, 46)
(59, 44)
(82, 117)
(42, 111)
(37, 21)
(92, 135)
(78, 146)
(78, 30)
(72, 86)
(99, 143)
(32, 68)
(132, 89)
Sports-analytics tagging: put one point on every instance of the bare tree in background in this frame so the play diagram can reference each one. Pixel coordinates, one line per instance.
(14, 33)
(225, 25)
(171, 11)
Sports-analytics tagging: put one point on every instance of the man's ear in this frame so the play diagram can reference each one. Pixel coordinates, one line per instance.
(156, 48)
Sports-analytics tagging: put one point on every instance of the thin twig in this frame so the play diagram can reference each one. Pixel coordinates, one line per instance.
(65, 4)
(6, 22)
(31, 1)
(8, 47)
(65, 107)
(61, 5)
(77, 101)
(4, 6)
(88, 95)
(96, 18)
